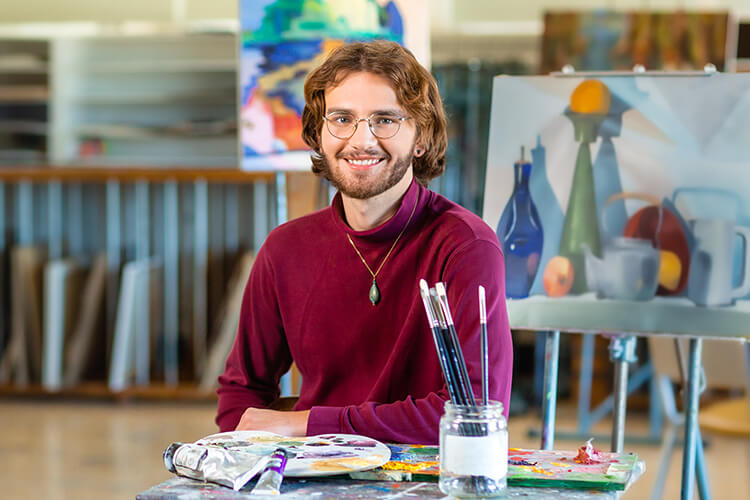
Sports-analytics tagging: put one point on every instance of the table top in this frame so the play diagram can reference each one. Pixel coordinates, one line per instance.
(676, 316)
(346, 489)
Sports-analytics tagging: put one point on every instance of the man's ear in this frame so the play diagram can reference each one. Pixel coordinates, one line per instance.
(419, 151)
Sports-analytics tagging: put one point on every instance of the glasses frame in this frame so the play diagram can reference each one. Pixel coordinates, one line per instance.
(400, 120)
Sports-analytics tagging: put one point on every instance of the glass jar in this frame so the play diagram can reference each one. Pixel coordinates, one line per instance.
(473, 450)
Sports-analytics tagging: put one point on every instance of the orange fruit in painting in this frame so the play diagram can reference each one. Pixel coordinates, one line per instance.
(558, 276)
(670, 270)
(590, 97)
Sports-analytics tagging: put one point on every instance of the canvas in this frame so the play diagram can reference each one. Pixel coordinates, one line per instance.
(603, 40)
(281, 42)
(628, 209)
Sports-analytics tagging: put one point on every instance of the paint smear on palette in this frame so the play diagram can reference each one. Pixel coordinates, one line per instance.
(335, 465)
(314, 455)
(308, 456)
(588, 455)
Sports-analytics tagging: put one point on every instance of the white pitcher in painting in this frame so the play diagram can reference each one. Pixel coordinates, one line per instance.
(712, 262)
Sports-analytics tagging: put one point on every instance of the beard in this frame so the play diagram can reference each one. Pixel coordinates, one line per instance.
(358, 186)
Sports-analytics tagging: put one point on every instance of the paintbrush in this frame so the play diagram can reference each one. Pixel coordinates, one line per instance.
(485, 359)
(454, 346)
(437, 337)
(452, 361)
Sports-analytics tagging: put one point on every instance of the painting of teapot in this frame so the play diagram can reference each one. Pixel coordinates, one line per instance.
(627, 270)
(629, 267)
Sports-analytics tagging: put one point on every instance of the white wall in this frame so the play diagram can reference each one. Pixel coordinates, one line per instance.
(444, 14)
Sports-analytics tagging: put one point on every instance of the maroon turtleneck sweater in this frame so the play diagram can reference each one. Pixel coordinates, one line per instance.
(369, 370)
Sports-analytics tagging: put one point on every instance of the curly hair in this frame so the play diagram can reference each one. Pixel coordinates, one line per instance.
(416, 90)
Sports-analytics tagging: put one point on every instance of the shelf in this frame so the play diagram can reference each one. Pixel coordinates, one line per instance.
(129, 174)
(23, 127)
(217, 96)
(187, 131)
(100, 390)
(23, 93)
(210, 66)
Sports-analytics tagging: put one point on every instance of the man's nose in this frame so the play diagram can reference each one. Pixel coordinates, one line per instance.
(363, 134)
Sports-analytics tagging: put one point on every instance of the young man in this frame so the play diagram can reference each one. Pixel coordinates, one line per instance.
(337, 291)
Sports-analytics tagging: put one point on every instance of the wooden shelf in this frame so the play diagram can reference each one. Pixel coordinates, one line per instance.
(129, 174)
(191, 66)
(100, 391)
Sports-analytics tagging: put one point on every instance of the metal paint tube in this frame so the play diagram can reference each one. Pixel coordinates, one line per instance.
(214, 464)
(270, 481)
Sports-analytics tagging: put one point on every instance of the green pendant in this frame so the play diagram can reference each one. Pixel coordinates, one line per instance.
(374, 293)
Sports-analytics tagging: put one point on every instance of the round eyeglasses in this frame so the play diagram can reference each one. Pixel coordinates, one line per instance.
(343, 125)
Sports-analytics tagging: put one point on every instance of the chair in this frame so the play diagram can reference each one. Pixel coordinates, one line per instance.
(725, 366)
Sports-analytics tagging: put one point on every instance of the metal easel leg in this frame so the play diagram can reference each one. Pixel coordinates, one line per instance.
(691, 421)
(549, 396)
(621, 352)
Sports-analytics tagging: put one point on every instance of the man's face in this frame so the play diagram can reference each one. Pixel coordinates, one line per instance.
(364, 165)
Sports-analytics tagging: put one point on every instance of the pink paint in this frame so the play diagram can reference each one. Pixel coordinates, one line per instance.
(588, 455)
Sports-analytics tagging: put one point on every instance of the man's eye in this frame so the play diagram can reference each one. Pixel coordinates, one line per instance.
(385, 120)
(342, 119)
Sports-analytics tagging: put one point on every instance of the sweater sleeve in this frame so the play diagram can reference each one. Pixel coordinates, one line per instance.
(479, 262)
(260, 354)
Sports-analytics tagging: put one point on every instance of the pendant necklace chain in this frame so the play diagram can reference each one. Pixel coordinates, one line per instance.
(374, 290)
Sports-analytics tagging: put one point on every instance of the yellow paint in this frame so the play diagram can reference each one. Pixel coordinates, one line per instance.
(339, 464)
(557, 464)
(408, 466)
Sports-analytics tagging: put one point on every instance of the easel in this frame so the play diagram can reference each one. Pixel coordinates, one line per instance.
(622, 353)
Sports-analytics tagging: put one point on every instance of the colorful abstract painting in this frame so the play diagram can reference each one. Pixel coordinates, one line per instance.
(600, 40)
(622, 202)
(281, 42)
(535, 468)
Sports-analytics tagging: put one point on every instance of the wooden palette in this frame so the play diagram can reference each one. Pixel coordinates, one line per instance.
(538, 468)
(309, 456)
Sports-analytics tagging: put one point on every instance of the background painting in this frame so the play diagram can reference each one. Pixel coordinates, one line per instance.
(281, 41)
(608, 40)
(632, 189)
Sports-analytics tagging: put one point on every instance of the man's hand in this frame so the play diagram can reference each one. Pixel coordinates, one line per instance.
(285, 423)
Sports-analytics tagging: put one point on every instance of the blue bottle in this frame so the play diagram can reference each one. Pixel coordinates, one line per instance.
(520, 234)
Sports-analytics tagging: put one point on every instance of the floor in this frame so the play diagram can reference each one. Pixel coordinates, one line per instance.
(83, 451)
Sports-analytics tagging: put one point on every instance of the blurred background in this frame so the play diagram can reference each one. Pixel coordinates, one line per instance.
(127, 228)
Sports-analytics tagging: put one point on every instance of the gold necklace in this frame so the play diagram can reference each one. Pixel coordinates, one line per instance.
(374, 290)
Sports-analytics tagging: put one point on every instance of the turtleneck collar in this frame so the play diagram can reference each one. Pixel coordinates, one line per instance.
(390, 228)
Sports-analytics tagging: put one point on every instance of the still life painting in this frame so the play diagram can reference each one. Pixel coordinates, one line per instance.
(624, 189)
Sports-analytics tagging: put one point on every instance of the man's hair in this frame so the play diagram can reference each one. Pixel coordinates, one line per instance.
(414, 86)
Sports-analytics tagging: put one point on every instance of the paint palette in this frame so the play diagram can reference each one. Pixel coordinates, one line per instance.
(309, 456)
(537, 468)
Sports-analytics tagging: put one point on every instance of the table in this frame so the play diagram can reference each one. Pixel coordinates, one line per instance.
(346, 489)
(625, 320)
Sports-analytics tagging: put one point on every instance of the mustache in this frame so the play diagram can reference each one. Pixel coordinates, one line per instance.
(364, 152)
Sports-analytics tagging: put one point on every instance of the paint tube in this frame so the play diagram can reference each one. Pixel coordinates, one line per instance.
(270, 481)
(214, 464)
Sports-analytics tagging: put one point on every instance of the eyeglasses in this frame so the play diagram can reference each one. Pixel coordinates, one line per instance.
(343, 125)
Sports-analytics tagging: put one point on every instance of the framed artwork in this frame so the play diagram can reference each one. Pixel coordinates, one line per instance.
(602, 40)
(281, 41)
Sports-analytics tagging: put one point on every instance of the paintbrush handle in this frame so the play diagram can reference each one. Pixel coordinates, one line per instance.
(445, 365)
(485, 368)
(464, 381)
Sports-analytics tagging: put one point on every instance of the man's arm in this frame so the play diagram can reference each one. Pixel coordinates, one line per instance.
(260, 354)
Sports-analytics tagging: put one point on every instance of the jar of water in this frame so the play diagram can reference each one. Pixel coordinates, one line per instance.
(473, 450)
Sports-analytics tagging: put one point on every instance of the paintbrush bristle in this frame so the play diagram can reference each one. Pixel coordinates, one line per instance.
(482, 306)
